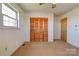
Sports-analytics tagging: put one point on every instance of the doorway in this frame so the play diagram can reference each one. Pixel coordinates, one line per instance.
(38, 29)
(64, 29)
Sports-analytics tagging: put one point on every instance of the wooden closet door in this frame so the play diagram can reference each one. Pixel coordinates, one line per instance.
(41, 36)
(32, 30)
(36, 30)
(45, 29)
(39, 29)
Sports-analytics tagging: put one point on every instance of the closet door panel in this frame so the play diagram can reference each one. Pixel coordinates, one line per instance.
(41, 30)
(32, 34)
(45, 29)
(36, 30)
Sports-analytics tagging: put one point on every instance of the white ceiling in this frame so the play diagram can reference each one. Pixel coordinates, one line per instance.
(60, 8)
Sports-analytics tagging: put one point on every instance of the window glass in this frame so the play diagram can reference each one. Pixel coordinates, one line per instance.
(9, 16)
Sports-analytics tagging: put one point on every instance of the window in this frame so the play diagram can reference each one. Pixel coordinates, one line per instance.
(9, 16)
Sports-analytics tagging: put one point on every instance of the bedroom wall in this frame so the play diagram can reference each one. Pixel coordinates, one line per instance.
(73, 26)
(42, 13)
(11, 39)
(57, 27)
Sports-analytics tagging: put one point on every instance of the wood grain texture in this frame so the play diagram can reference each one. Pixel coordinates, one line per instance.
(64, 29)
(38, 29)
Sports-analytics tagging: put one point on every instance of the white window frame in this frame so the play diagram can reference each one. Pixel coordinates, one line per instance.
(1, 14)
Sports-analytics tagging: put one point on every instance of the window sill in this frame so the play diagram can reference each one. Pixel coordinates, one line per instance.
(9, 28)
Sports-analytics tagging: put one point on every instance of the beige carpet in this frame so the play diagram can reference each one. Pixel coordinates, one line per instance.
(56, 48)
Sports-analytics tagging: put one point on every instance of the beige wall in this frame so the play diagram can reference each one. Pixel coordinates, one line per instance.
(42, 13)
(72, 30)
(57, 27)
(12, 38)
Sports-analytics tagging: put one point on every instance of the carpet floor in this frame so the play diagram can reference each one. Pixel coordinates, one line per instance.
(56, 48)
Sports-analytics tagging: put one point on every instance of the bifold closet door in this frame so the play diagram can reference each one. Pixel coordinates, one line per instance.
(41, 36)
(32, 30)
(39, 29)
(45, 29)
(36, 24)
